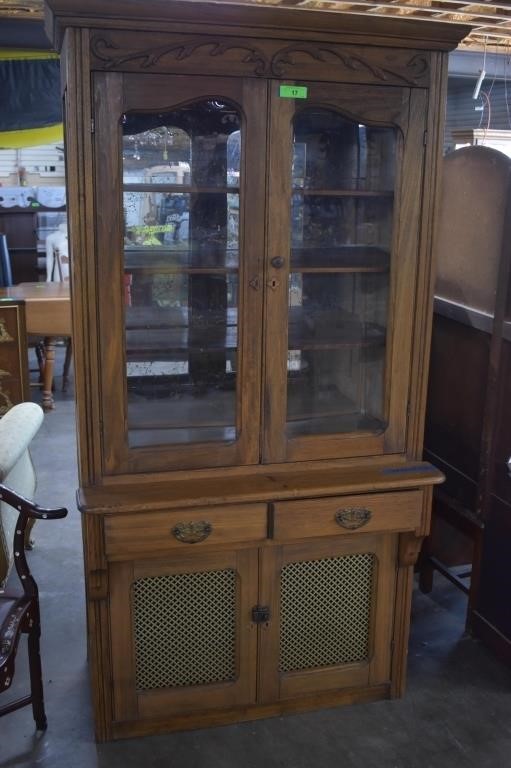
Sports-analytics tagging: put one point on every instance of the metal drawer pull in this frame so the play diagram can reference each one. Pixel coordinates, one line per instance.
(193, 532)
(353, 517)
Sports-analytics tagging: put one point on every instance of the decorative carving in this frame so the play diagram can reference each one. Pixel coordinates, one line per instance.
(4, 333)
(114, 58)
(418, 65)
(105, 50)
(192, 532)
(353, 517)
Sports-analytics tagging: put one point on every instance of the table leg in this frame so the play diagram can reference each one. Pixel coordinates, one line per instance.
(49, 364)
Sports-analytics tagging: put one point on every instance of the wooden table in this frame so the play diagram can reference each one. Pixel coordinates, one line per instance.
(48, 314)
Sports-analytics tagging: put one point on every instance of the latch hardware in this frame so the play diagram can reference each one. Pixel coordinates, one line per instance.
(260, 614)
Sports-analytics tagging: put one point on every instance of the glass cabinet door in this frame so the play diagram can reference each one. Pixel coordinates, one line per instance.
(332, 267)
(185, 275)
(181, 272)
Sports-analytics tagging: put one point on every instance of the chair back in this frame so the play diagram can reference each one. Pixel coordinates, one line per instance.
(5, 263)
(17, 430)
(26, 510)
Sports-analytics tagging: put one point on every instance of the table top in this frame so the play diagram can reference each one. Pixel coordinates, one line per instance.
(37, 292)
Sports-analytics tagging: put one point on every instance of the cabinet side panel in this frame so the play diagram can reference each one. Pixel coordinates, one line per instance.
(80, 202)
(98, 623)
(425, 281)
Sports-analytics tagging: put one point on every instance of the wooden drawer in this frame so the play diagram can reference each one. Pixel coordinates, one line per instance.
(347, 514)
(183, 529)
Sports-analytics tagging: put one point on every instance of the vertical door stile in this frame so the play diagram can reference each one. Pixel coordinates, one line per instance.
(405, 273)
(276, 275)
(253, 210)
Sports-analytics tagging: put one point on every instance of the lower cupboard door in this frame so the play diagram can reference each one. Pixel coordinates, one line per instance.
(182, 634)
(332, 611)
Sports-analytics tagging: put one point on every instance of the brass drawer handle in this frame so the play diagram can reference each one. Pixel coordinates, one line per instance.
(192, 532)
(353, 517)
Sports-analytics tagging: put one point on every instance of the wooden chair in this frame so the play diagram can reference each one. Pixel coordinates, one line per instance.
(20, 613)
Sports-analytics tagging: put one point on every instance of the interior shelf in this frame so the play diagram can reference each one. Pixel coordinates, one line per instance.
(331, 329)
(342, 192)
(346, 258)
(162, 332)
(312, 411)
(170, 260)
(182, 188)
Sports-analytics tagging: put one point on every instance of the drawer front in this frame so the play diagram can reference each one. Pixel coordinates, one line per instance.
(347, 515)
(183, 529)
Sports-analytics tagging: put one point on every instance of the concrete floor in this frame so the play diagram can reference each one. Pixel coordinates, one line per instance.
(456, 713)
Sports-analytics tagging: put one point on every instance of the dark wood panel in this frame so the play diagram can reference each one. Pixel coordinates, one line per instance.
(456, 394)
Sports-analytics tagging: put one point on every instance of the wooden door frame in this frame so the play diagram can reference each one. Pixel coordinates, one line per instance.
(128, 704)
(116, 93)
(405, 109)
(275, 686)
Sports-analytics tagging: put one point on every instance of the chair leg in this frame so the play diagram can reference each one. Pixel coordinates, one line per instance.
(67, 363)
(36, 675)
(39, 351)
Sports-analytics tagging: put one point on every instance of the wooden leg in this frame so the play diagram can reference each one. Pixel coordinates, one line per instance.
(49, 364)
(67, 363)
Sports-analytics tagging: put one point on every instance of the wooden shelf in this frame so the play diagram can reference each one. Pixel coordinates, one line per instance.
(389, 194)
(334, 424)
(347, 258)
(153, 333)
(310, 411)
(193, 260)
(189, 189)
(331, 329)
(162, 344)
(148, 318)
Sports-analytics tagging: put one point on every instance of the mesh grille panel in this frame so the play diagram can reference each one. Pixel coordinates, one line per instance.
(185, 629)
(325, 611)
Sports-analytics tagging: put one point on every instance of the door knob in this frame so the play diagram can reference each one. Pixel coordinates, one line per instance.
(277, 262)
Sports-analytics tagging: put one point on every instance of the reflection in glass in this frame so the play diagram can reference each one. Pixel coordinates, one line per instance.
(343, 176)
(181, 255)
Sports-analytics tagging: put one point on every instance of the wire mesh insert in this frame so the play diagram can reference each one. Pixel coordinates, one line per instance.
(326, 611)
(185, 629)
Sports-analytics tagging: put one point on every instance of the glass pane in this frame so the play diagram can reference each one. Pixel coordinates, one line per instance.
(181, 255)
(341, 219)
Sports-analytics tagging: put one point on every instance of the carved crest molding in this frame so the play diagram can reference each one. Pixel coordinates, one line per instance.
(279, 64)
(149, 58)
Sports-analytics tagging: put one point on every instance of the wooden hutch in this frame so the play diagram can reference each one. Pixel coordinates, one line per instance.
(251, 197)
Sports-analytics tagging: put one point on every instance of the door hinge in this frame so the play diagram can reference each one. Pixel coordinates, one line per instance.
(425, 138)
(260, 614)
(92, 125)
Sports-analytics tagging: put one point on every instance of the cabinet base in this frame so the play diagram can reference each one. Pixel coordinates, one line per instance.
(130, 729)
